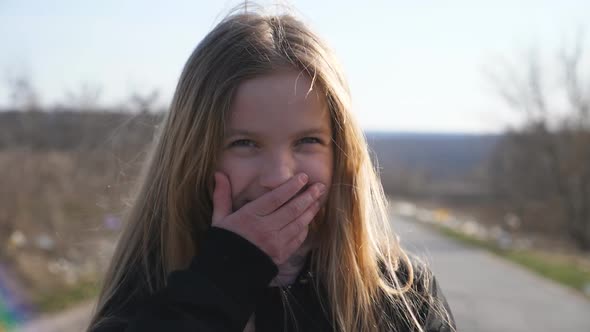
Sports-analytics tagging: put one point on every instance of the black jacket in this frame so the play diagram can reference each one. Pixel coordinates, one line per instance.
(225, 284)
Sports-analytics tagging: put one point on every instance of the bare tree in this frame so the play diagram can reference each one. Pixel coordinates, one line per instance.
(22, 92)
(545, 163)
(144, 102)
(85, 98)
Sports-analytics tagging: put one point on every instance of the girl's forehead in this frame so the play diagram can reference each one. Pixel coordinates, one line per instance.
(285, 87)
(280, 101)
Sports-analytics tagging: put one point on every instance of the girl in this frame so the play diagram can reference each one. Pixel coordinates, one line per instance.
(259, 209)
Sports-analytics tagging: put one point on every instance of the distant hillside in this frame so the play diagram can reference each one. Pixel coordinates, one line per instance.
(441, 155)
(452, 165)
(409, 163)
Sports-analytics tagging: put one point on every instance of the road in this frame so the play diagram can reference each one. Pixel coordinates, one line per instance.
(486, 293)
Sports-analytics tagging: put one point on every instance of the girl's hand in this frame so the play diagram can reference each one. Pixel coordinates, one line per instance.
(276, 228)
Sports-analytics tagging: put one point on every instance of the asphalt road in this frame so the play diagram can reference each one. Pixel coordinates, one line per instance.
(486, 293)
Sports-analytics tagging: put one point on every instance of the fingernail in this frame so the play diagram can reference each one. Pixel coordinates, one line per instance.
(303, 177)
(321, 189)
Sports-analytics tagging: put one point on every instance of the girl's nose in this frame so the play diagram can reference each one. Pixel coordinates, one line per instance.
(276, 170)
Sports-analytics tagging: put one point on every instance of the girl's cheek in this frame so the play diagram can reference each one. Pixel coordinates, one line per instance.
(240, 174)
(320, 170)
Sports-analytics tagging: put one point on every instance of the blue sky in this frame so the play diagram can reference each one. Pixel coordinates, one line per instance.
(412, 65)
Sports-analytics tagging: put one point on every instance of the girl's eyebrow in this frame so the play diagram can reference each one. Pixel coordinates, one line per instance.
(238, 132)
(313, 131)
(244, 132)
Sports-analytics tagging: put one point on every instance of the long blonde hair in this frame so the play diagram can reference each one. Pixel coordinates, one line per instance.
(357, 256)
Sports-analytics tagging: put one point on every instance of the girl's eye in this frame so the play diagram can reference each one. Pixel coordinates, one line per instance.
(310, 140)
(242, 143)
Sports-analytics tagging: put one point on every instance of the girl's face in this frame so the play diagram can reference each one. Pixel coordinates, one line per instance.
(277, 128)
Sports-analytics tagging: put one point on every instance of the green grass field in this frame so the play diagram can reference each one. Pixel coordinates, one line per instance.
(58, 300)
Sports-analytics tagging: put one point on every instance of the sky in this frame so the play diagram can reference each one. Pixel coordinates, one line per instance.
(413, 66)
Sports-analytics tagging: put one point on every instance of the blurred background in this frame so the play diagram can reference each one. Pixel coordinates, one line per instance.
(477, 114)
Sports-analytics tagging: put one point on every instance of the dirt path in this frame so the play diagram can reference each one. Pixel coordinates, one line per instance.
(72, 320)
(486, 293)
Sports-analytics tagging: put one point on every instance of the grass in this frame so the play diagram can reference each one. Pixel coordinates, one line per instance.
(562, 270)
(58, 300)
(49, 302)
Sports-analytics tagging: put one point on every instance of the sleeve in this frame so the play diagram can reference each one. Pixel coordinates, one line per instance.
(439, 317)
(218, 292)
